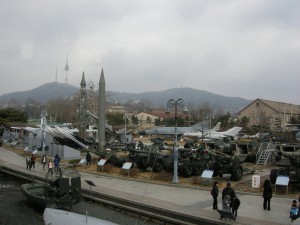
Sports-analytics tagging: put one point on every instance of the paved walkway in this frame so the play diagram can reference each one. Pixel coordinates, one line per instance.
(173, 197)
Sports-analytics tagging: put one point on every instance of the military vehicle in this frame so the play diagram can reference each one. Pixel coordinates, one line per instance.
(222, 163)
(194, 161)
(141, 155)
(152, 156)
(288, 164)
(245, 151)
(189, 163)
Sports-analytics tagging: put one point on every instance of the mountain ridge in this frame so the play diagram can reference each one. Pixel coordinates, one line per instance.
(191, 96)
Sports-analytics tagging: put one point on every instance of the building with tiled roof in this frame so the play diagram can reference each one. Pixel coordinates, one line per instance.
(272, 114)
(147, 119)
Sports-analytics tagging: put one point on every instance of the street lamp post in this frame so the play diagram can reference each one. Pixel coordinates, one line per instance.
(125, 132)
(175, 104)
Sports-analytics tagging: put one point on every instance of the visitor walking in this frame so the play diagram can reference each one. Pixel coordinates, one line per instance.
(88, 158)
(33, 161)
(44, 161)
(56, 162)
(50, 167)
(215, 193)
(28, 163)
(267, 194)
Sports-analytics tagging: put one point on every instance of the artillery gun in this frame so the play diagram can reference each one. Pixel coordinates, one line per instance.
(189, 163)
(116, 157)
(222, 163)
(143, 156)
(150, 156)
(194, 161)
(288, 164)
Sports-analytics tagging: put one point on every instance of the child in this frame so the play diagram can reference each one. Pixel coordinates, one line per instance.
(294, 211)
(50, 167)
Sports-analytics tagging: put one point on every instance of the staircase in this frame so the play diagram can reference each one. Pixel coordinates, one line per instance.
(264, 152)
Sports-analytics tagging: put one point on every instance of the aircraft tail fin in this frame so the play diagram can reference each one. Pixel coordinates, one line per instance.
(233, 131)
(217, 127)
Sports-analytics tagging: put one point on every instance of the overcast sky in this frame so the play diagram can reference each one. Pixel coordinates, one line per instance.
(248, 49)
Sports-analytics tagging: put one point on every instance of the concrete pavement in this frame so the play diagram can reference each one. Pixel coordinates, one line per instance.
(193, 201)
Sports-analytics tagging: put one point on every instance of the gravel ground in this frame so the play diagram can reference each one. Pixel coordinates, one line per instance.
(14, 209)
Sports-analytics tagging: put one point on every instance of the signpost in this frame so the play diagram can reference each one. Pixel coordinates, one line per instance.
(207, 174)
(127, 166)
(101, 163)
(89, 182)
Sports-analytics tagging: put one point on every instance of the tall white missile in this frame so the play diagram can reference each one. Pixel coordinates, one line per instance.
(101, 112)
(82, 108)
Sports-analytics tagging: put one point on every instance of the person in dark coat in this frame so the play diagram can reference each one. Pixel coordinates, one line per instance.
(44, 161)
(267, 194)
(56, 162)
(215, 193)
(228, 193)
(88, 158)
(227, 198)
(33, 161)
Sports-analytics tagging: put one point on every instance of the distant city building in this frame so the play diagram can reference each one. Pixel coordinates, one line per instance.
(272, 114)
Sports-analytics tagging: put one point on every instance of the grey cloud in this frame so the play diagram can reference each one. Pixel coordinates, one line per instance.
(233, 48)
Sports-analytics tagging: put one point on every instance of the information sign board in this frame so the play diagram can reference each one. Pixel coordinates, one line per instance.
(127, 165)
(207, 174)
(282, 180)
(82, 161)
(101, 162)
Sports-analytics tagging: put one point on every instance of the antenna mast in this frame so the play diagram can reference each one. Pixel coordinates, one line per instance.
(56, 75)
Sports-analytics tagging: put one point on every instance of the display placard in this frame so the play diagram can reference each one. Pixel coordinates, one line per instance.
(127, 165)
(91, 183)
(207, 174)
(101, 162)
(82, 161)
(282, 180)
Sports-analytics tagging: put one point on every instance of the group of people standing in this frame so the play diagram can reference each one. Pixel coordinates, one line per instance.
(30, 162)
(229, 200)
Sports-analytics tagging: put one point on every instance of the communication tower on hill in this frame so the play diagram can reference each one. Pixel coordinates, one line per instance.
(67, 69)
